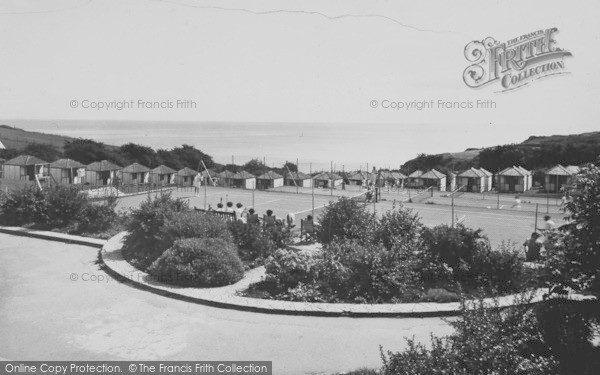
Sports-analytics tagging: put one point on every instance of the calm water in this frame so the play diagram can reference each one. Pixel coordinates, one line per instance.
(347, 146)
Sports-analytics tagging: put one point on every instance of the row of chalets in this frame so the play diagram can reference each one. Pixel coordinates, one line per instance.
(103, 173)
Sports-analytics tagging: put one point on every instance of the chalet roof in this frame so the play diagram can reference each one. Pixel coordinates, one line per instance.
(243, 175)
(417, 173)
(2, 146)
(24, 160)
(398, 175)
(136, 168)
(359, 176)
(187, 172)
(297, 176)
(327, 176)
(559, 170)
(101, 166)
(270, 175)
(226, 174)
(486, 172)
(514, 171)
(66, 164)
(433, 174)
(163, 169)
(472, 173)
(573, 169)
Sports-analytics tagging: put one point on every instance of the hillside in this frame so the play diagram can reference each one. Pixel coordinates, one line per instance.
(18, 138)
(535, 153)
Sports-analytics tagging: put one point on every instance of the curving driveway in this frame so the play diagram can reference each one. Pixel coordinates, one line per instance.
(45, 315)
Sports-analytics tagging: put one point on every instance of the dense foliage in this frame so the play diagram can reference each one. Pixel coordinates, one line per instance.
(199, 262)
(56, 207)
(345, 219)
(390, 259)
(574, 252)
(256, 242)
(550, 338)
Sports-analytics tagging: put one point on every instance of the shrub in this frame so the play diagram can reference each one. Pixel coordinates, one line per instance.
(143, 243)
(370, 273)
(24, 206)
(574, 252)
(189, 224)
(486, 341)
(97, 217)
(453, 245)
(500, 269)
(255, 242)
(285, 269)
(65, 204)
(199, 262)
(399, 224)
(345, 219)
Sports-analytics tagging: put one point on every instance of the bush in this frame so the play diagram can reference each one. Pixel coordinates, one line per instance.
(398, 225)
(65, 204)
(199, 262)
(345, 219)
(501, 270)
(486, 341)
(24, 206)
(288, 268)
(255, 242)
(190, 224)
(97, 217)
(143, 244)
(370, 273)
(574, 253)
(453, 245)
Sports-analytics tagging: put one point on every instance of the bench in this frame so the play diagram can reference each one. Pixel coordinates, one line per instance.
(227, 216)
(269, 221)
(307, 229)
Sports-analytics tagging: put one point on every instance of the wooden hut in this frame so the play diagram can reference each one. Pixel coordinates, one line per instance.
(434, 178)
(327, 180)
(2, 161)
(101, 173)
(514, 180)
(359, 178)
(414, 179)
(68, 172)
(226, 178)
(392, 178)
(559, 178)
(298, 179)
(135, 174)
(162, 175)
(25, 168)
(244, 180)
(186, 176)
(475, 180)
(269, 180)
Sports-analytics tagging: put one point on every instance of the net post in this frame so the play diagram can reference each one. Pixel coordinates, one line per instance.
(536, 218)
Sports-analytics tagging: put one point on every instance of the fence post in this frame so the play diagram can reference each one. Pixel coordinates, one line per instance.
(536, 216)
(547, 204)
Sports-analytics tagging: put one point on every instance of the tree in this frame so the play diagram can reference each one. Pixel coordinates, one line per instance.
(134, 153)
(574, 257)
(190, 157)
(87, 151)
(43, 151)
(255, 166)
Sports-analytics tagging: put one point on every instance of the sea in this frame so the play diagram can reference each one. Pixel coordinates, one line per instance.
(315, 146)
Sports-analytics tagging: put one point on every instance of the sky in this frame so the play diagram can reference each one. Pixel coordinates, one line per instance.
(335, 63)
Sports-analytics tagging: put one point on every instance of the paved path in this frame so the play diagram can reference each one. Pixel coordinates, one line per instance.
(45, 315)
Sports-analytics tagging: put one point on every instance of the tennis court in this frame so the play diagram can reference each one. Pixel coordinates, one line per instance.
(505, 224)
